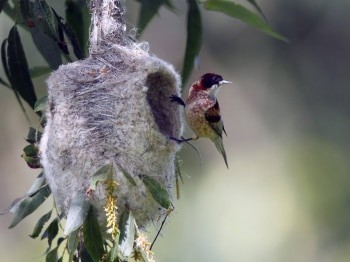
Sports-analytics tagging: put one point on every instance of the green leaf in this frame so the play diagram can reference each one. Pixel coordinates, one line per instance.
(33, 136)
(101, 175)
(241, 13)
(31, 150)
(85, 256)
(128, 176)
(51, 232)
(149, 8)
(194, 39)
(72, 242)
(14, 204)
(257, 7)
(38, 184)
(45, 18)
(2, 3)
(29, 204)
(113, 252)
(52, 256)
(4, 83)
(18, 68)
(39, 226)
(43, 27)
(10, 11)
(31, 156)
(127, 233)
(4, 58)
(67, 29)
(92, 236)
(77, 213)
(37, 71)
(158, 192)
(7, 72)
(40, 104)
(76, 14)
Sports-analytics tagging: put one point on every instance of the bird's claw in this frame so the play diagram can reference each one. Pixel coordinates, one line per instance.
(177, 99)
(180, 140)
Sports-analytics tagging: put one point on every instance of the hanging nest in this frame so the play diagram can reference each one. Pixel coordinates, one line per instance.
(112, 109)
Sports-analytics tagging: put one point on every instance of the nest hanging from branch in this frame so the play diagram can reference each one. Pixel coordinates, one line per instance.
(112, 108)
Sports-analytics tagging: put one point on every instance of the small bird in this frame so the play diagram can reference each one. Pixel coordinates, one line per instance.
(203, 111)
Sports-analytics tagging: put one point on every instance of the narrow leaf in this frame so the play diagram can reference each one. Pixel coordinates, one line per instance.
(12, 206)
(18, 68)
(241, 13)
(194, 39)
(149, 8)
(127, 233)
(45, 18)
(33, 136)
(92, 236)
(51, 232)
(257, 7)
(7, 72)
(31, 156)
(4, 83)
(52, 256)
(128, 176)
(158, 192)
(31, 150)
(113, 252)
(43, 27)
(2, 3)
(77, 213)
(75, 16)
(40, 104)
(72, 39)
(38, 184)
(39, 226)
(85, 256)
(29, 204)
(101, 175)
(72, 242)
(39, 71)
(4, 58)
(147, 11)
(69, 31)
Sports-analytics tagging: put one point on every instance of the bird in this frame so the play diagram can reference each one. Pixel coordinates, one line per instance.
(202, 111)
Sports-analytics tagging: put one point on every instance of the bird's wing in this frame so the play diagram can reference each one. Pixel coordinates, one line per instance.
(213, 117)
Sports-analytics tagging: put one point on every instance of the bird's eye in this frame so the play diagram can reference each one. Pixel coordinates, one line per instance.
(216, 78)
(209, 80)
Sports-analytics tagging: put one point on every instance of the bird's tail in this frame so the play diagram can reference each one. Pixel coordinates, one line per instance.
(220, 147)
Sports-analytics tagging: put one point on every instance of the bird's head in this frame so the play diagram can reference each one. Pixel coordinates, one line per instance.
(209, 83)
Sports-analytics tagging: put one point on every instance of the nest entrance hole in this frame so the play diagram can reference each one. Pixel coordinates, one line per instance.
(160, 88)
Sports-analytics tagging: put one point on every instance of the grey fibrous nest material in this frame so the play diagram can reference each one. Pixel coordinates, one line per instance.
(111, 108)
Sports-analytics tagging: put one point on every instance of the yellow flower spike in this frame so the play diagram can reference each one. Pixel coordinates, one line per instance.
(111, 207)
(143, 245)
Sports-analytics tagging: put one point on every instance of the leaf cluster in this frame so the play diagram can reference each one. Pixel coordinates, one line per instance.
(150, 8)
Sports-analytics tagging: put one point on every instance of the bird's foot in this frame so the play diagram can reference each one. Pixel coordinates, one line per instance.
(180, 140)
(177, 99)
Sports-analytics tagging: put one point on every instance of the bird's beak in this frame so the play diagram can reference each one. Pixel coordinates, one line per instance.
(222, 82)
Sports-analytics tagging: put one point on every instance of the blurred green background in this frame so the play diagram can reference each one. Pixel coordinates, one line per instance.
(286, 196)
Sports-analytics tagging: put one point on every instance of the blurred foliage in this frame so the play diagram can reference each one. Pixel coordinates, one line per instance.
(322, 172)
(59, 41)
